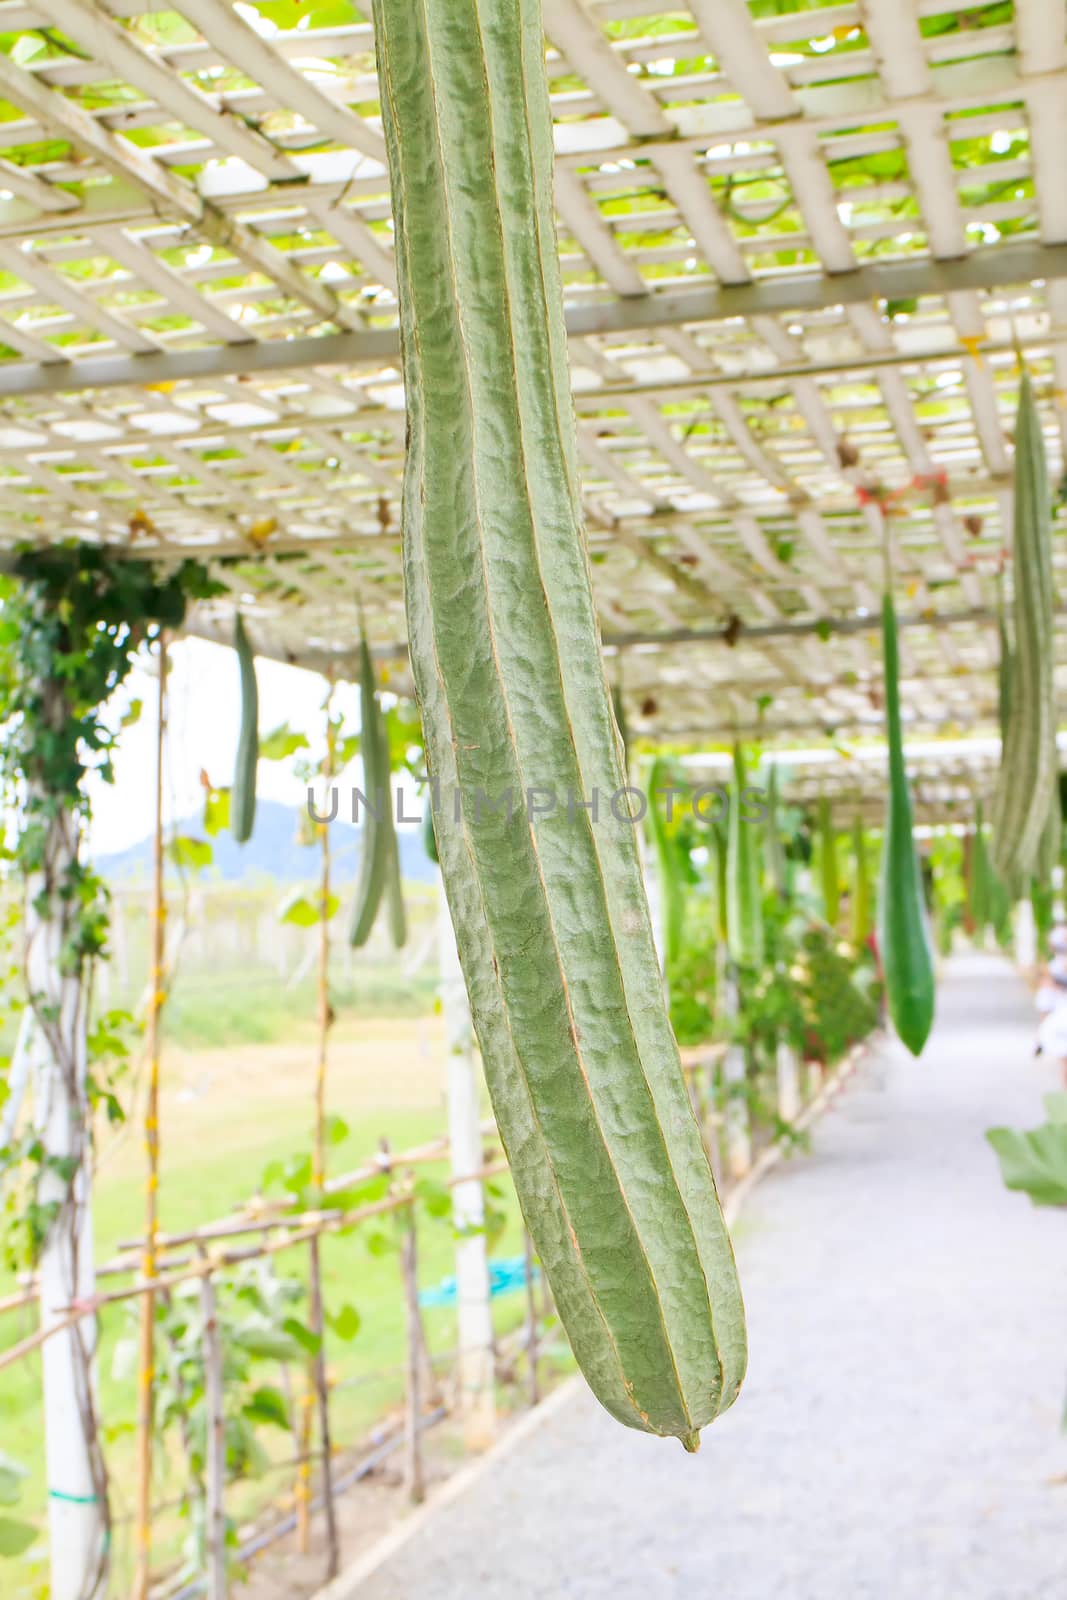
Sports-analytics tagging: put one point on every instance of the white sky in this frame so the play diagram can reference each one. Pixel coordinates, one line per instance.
(204, 694)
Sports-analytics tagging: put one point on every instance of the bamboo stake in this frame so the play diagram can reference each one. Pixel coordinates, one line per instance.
(215, 1473)
(149, 1268)
(317, 1376)
(531, 1319)
(413, 1474)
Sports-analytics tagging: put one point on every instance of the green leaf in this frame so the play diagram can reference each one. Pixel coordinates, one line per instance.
(435, 1197)
(302, 1335)
(186, 851)
(345, 1323)
(1034, 1163)
(297, 908)
(281, 742)
(132, 714)
(216, 810)
(336, 1130)
(16, 1537)
(267, 1405)
(12, 1474)
(264, 1343)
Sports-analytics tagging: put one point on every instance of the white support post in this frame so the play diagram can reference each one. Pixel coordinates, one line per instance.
(735, 1116)
(77, 1511)
(788, 1077)
(1025, 937)
(476, 1366)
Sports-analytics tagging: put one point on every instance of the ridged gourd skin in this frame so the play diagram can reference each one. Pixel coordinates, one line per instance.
(549, 909)
(903, 926)
(243, 791)
(1028, 772)
(379, 863)
(744, 906)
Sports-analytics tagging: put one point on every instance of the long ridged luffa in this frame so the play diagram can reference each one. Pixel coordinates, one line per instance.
(1027, 779)
(549, 909)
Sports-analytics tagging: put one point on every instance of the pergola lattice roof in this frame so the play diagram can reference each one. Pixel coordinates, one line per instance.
(801, 245)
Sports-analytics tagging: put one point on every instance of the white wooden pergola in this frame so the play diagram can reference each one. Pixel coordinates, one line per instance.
(804, 248)
(801, 247)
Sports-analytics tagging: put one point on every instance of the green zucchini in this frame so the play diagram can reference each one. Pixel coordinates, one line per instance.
(618, 705)
(861, 888)
(379, 858)
(777, 865)
(903, 926)
(980, 873)
(669, 879)
(828, 875)
(549, 908)
(744, 909)
(1028, 763)
(243, 792)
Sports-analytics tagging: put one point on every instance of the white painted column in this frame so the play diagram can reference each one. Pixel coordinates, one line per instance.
(1025, 936)
(76, 1516)
(476, 1375)
(735, 1112)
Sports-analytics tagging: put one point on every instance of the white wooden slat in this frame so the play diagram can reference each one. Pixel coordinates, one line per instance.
(260, 59)
(813, 191)
(690, 191)
(163, 189)
(737, 46)
(84, 22)
(1041, 36)
(584, 221)
(351, 231)
(57, 290)
(1047, 103)
(38, 191)
(657, 430)
(577, 36)
(149, 271)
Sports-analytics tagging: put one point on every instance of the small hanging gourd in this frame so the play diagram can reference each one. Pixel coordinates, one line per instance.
(243, 791)
(1028, 772)
(744, 908)
(777, 865)
(669, 877)
(861, 888)
(904, 932)
(379, 865)
(828, 874)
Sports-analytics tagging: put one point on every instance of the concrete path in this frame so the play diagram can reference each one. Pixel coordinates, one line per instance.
(898, 1435)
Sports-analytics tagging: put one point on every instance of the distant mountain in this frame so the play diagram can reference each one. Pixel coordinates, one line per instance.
(274, 851)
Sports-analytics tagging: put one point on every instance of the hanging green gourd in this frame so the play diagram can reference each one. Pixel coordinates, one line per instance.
(903, 926)
(618, 705)
(744, 909)
(828, 875)
(980, 876)
(549, 908)
(1050, 848)
(777, 865)
(379, 864)
(861, 888)
(1028, 760)
(670, 880)
(243, 792)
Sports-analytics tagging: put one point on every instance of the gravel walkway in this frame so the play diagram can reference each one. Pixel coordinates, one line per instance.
(898, 1433)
